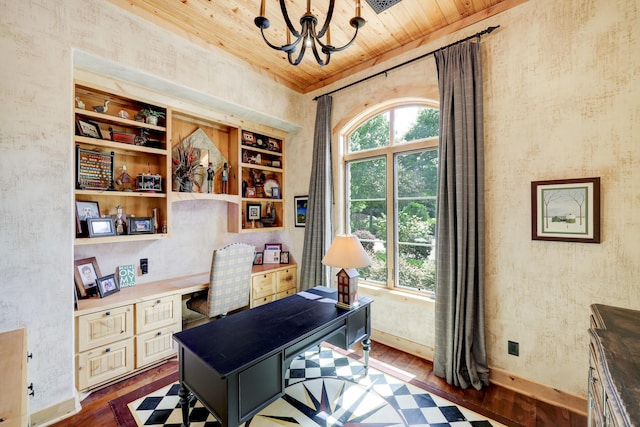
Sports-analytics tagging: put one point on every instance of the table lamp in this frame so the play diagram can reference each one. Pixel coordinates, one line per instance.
(346, 252)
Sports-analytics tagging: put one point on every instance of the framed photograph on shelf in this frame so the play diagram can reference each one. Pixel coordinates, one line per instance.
(86, 273)
(141, 225)
(84, 211)
(566, 210)
(101, 227)
(300, 205)
(88, 128)
(275, 192)
(254, 212)
(272, 256)
(258, 258)
(108, 285)
(284, 257)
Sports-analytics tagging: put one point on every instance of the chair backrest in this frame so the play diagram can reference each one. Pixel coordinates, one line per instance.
(230, 279)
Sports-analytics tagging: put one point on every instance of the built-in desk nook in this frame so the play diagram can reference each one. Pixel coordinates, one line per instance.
(133, 329)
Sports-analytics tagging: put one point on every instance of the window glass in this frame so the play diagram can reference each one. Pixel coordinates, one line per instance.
(367, 210)
(374, 133)
(391, 195)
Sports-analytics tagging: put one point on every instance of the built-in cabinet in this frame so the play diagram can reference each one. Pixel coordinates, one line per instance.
(121, 167)
(14, 395)
(614, 386)
(269, 283)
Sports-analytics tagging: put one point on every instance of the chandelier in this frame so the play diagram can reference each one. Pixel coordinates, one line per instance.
(308, 34)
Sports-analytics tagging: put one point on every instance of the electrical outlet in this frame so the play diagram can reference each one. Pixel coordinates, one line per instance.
(513, 348)
(144, 265)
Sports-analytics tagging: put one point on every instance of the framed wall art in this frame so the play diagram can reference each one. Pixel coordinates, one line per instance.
(254, 212)
(101, 227)
(566, 210)
(300, 204)
(94, 170)
(108, 285)
(84, 211)
(86, 273)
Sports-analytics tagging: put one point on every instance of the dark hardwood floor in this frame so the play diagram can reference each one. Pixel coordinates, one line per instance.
(506, 406)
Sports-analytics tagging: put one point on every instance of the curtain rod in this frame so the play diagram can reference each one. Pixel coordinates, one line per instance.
(485, 31)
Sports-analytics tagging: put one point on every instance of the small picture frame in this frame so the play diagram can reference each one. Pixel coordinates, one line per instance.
(276, 164)
(300, 205)
(254, 212)
(141, 225)
(251, 192)
(258, 258)
(101, 227)
(284, 257)
(247, 137)
(88, 129)
(84, 211)
(126, 275)
(275, 192)
(86, 273)
(566, 210)
(108, 285)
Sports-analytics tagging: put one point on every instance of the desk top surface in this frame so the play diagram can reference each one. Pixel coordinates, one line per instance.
(234, 342)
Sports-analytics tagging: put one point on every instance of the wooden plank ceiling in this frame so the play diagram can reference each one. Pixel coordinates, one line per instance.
(228, 24)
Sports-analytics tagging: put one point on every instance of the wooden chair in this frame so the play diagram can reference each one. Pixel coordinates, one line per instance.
(229, 283)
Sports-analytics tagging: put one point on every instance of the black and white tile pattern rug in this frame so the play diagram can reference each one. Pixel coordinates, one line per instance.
(325, 389)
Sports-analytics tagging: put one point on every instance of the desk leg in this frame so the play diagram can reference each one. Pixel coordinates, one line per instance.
(366, 346)
(185, 398)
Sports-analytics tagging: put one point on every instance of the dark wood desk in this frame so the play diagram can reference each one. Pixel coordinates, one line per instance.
(236, 365)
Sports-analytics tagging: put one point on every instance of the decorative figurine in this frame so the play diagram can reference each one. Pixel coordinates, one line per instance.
(101, 108)
(79, 103)
(123, 114)
(225, 178)
(210, 173)
(124, 179)
(120, 222)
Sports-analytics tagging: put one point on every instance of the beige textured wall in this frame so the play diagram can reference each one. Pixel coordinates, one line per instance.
(41, 42)
(562, 100)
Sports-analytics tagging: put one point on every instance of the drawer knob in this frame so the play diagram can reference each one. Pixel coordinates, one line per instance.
(108, 313)
(107, 350)
(159, 301)
(159, 333)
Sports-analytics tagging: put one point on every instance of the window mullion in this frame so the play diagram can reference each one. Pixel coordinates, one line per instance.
(392, 208)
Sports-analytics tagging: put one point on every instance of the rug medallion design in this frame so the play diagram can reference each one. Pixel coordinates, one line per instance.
(322, 389)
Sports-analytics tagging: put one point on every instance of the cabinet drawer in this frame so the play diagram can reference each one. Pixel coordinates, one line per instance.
(104, 327)
(157, 313)
(104, 363)
(286, 280)
(262, 285)
(259, 301)
(156, 345)
(286, 293)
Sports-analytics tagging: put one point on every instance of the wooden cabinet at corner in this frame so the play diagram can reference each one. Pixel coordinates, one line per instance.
(120, 161)
(271, 282)
(262, 184)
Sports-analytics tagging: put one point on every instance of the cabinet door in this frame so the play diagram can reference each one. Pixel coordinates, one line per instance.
(155, 345)
(103, 364)
(104, 327)
(286, 280)
(262, 285)
(157, 313)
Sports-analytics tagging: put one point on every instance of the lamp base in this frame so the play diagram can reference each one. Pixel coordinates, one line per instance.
(347, 306)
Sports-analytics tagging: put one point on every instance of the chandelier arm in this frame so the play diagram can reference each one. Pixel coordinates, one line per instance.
(284, 48)
(300, 55)
(314, 48)
(338, 49)
(283, 8)
(327, 21)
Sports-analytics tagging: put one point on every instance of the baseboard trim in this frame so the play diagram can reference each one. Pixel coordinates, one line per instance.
(55, 413)
(499, 377)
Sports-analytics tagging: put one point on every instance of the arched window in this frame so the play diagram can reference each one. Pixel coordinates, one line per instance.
(391, 170)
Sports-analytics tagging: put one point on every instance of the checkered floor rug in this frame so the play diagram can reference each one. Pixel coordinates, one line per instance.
(325, 389)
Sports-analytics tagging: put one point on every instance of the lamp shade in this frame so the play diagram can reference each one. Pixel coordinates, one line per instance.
(346, 251)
